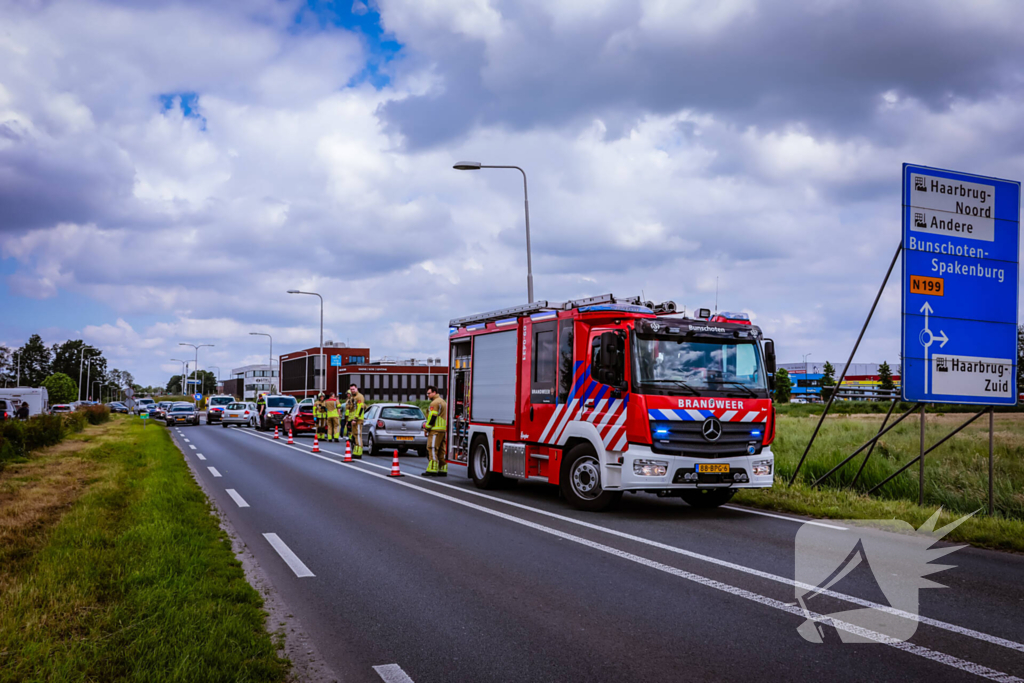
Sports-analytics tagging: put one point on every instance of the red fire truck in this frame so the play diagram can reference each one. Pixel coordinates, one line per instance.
(605, 395)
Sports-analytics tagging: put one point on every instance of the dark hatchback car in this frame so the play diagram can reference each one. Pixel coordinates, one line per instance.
(278, 408)
(182, 413)
(117, 407)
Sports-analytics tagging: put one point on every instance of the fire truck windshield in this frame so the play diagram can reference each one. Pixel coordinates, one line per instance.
(670, 366)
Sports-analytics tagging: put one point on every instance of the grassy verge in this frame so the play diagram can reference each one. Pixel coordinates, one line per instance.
(956, 474)
(879, 407)
(112, 568)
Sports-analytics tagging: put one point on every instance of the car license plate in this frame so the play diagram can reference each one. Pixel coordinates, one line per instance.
(713, 468)
(404, 438)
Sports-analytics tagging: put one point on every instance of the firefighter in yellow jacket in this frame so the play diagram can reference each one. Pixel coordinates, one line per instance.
(436, 429)
(355, 411)
(333, 421)
(320, 415)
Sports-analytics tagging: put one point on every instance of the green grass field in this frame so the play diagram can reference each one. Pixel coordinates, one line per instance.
(113, 568)
(956, 474)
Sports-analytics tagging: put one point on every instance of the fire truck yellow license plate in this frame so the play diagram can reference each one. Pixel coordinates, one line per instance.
(713, 468)
(404, 438)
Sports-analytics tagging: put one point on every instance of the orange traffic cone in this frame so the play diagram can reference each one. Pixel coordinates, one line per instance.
(290, 436)
(348, 451)
(275, 432)
(316, 444)
(395, 472)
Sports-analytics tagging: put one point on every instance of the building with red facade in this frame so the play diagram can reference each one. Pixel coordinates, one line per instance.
(381, 380)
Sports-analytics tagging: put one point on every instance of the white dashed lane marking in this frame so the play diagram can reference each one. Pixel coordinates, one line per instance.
(200, 456)
(213, 471)
(392, 673)
(290, 558)
(237, 498)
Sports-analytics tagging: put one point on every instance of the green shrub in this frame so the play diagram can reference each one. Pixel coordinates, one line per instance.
(95, 414)
(18, 438)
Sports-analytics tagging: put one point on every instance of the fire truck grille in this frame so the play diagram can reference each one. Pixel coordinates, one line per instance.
(672, 437)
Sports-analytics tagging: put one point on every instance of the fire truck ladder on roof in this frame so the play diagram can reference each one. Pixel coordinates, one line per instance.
(538, 306)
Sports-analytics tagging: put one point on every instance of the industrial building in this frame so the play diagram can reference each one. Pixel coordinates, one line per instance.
(249, 381)
(381, 380)
(862, 381)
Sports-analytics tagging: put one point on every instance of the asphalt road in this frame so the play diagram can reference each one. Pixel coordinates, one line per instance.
(444, 582)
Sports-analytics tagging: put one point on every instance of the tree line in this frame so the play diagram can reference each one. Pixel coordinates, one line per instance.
(58, 368)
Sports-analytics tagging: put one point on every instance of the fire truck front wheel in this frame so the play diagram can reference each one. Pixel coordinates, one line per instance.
(581, 481)
(480, 466)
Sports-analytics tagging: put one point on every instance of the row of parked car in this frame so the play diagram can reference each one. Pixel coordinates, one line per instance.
(387, 425)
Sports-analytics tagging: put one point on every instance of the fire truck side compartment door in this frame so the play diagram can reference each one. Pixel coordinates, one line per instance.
(494, 377)
(544, 363)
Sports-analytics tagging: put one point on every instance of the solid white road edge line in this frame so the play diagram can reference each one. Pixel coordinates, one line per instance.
(392, 673)
(926, 653)
(952, 628)
(213, 471)
(788, 519)
(200, 456)
(239, 501)
(290, 558)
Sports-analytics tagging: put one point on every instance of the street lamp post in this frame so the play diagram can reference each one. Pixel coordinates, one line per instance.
(323, 365)
(81, 357)
(216, 384)
(270, 357)
(178, 360)
(807, 389)
(196, 347)
(88, 374)
(476, 166)
(17, 382)
(100, 391)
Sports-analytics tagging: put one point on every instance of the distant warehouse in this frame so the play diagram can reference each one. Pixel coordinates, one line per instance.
(381, 380)
(862, 381)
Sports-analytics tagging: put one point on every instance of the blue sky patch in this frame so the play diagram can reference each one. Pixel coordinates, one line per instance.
(359, 16)
(188, 102)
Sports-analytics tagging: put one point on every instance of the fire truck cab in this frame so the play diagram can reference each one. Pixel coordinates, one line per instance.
(605, 395)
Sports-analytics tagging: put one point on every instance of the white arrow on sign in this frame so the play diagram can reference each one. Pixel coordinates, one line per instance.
(927, 338)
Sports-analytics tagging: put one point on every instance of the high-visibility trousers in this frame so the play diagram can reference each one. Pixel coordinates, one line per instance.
(437, 445)
(333, 427)
(355, 434)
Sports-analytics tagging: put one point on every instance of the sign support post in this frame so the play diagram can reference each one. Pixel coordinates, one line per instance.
(920, 468)
(991, 433)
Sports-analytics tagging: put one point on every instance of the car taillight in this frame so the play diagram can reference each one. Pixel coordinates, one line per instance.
(380, 424)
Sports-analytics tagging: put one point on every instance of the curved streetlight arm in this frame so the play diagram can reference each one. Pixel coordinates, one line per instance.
(472, 166)
(196, 347)
(323, 365)
(270, 358)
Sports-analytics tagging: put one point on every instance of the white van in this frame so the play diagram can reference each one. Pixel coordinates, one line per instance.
(36, 397)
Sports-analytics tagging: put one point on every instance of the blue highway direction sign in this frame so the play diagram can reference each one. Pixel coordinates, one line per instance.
(961, 245)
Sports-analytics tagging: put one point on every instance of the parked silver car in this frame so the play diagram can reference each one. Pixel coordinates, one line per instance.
(241, 414)
(394, 425)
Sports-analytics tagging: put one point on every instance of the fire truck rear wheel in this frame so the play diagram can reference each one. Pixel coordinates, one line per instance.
(707, 498)
(480, 466)
(581, 481)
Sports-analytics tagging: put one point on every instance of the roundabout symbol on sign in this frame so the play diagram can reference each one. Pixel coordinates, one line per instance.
(927, 338)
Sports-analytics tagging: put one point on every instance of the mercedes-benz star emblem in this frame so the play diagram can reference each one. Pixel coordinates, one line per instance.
(711, 429)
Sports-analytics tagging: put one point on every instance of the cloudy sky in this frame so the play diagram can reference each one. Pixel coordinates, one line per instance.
(169, 169)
